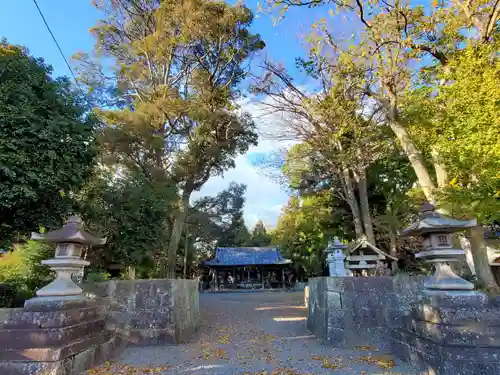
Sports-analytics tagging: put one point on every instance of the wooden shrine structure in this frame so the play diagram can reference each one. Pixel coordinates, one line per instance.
(365, 259)
(247, 268)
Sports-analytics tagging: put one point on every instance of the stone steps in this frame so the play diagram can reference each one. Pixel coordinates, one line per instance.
(73, 359)
(53, 319)
(23, 338)
(54, 353)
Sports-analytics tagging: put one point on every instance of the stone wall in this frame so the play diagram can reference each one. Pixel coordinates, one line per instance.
(451, 334)
(148, 312)
(441, 334)
(350, 311)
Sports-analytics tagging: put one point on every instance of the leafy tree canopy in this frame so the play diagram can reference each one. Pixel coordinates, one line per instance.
(46, 143)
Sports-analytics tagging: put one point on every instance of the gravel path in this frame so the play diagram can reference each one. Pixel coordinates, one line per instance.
(257, 334)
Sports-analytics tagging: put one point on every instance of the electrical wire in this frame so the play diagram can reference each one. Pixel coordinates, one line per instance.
(61, 52)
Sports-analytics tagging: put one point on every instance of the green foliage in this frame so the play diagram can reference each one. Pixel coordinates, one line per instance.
(469, 107)
(131, 212)
(303, 230)
(178, 71)
(259, 237)
(218, 221)
(46, 144)
(22, 272)
(95, 276)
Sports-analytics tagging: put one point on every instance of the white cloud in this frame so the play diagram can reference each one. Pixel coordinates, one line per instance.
(264, 197)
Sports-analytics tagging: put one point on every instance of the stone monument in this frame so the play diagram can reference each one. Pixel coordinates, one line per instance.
(336, 257)
(59, 331)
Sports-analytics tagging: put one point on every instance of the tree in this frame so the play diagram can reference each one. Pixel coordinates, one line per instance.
(304, 227)
(23, 272)
(178, 68)
(131, 212)
(392, 41)
(334, 128)
(212, 222)
(392, 46)
(219, 220)
(47, 144)
(259, 236)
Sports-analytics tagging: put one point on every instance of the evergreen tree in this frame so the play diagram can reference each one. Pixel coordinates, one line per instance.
(47, 144)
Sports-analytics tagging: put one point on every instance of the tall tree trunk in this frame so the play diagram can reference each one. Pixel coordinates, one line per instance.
(416, 159)
(364, 204)
(410, 148)
(173, 245)
(440, 168)
(186, 243)
(393, 234)
(352, 202)
(481, 263)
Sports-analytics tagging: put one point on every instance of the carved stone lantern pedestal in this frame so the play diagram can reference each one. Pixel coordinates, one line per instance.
(59, 331)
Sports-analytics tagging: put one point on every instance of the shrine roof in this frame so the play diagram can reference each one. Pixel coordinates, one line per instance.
(363, 243)
(244, 256)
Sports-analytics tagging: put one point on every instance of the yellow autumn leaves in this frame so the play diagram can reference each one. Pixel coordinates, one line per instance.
(113, 368)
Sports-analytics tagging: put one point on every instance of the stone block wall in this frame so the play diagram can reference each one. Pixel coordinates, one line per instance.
(350, 311)
(451, 335)
(148, 312)
(441, 334)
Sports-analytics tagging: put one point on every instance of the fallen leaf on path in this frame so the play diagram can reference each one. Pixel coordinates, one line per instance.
(333, 365)
(317, 358)
(223, 339)
(114, 368)
(378, 361)
(365, 347)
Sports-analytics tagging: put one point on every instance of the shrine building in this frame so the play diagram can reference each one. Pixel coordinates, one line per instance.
(248, 268)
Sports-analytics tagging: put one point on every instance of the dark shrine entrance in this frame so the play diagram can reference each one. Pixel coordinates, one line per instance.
(247, 268)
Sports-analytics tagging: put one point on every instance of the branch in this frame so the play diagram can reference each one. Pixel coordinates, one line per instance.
(495, 15)
(440, 56)
(362, 14)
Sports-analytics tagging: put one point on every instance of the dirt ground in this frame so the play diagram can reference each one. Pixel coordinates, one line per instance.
(253, 333)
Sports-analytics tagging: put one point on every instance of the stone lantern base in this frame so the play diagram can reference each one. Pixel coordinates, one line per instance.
(54, 336)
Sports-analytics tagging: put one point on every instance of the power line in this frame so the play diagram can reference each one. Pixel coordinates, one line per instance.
(61, 52)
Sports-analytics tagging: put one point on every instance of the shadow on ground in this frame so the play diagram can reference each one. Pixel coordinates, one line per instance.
(253, 333)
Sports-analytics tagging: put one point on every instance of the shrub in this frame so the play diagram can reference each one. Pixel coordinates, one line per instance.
(22, 274)
(95, 276)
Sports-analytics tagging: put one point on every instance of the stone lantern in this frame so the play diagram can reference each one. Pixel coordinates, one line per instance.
(69, 240)
(437, 231)
(335, 257)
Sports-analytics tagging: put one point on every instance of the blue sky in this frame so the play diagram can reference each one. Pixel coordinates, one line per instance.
(70, 21)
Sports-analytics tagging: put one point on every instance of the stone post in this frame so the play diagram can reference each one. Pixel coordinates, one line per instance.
(336, 258)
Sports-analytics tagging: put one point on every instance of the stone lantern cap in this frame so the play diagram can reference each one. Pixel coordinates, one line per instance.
(335, 245)
(71, 232)
(430, 221)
